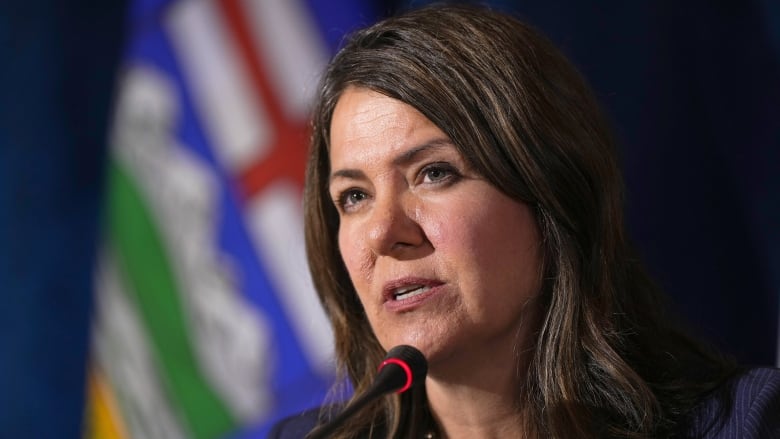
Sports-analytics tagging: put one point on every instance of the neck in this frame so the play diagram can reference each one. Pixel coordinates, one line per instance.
(481, 397)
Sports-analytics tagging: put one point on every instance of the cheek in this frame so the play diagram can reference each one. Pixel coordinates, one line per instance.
(510, 250)
(496, 247)
(347, 248)
(461, 232)
(354, 256)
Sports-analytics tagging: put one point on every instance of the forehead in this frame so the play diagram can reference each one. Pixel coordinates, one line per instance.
(367, 126)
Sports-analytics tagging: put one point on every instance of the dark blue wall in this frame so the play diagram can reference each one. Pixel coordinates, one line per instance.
(57, 64)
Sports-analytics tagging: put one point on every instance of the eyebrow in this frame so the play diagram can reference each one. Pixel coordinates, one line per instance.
(402, 159)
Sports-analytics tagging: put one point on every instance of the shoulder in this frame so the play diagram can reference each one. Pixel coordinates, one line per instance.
(296, 426)
(747, 406)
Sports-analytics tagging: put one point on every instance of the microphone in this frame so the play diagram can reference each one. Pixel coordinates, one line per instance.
(403, 367)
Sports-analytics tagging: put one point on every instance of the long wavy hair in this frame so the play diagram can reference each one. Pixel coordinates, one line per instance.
(606, 363)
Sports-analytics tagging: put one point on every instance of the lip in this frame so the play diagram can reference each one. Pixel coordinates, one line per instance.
(409, 303)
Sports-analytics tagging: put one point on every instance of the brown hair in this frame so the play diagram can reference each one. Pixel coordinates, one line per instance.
(605, 363)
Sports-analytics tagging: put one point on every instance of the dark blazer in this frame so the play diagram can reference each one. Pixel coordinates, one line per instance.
(752, 411)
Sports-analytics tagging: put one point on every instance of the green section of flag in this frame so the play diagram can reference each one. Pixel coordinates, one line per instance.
(143, 260)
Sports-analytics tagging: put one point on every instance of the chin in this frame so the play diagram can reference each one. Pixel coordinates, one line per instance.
(437, 342)
(434, 351)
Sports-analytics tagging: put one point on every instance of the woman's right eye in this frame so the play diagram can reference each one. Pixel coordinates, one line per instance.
(349, 199)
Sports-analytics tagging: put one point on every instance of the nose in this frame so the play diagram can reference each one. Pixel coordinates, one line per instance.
(393, 228)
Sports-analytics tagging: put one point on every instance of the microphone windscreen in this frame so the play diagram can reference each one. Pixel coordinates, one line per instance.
(407, 360)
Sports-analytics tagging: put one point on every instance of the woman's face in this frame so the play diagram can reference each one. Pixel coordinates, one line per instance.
(440, 258)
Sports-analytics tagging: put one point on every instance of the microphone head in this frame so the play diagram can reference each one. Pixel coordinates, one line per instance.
(409, 368)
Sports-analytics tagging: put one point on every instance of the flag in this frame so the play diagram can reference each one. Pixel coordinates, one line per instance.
(206, 323)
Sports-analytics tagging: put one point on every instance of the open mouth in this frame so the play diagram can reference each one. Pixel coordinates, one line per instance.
(410, 291)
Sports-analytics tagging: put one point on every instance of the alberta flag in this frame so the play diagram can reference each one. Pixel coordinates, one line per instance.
(206, 323)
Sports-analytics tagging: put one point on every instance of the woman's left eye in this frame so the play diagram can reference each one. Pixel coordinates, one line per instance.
(437, 172)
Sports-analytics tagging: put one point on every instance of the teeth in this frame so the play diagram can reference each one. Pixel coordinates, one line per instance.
(411, 291)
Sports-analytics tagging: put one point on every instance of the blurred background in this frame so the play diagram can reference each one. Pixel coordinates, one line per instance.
(151, 167)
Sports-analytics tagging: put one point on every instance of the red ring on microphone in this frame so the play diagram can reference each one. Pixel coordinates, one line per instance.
(406, 369)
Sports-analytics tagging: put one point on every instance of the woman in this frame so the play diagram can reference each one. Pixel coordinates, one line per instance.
(463, 197)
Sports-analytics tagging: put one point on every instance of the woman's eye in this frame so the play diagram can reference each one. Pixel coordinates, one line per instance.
(350, 198)
(437, 172)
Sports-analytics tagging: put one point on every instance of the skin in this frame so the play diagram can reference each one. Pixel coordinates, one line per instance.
(413, 213)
